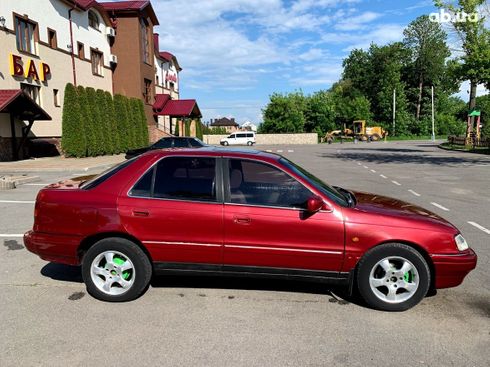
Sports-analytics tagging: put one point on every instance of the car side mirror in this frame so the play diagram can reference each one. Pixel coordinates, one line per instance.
(314, 204)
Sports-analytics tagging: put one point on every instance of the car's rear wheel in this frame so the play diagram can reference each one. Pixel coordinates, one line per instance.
(393, 277)
(249, 143)
(116, 270)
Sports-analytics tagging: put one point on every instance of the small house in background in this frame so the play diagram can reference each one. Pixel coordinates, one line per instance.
(228, 124)
(249, 126)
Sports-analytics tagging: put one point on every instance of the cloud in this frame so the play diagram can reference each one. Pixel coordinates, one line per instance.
(357, 22)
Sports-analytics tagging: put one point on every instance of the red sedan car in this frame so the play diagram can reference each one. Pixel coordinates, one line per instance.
(215, 211)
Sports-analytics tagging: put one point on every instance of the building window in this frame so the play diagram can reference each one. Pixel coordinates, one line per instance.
(145, 41)
(56, 98)
(25, 34)
(81, 51)
(52, 39)
(147, 92)
(32, 91)
(97, 62)
(93, 20)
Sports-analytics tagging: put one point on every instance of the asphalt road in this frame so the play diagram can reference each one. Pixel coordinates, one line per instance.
(47, 319)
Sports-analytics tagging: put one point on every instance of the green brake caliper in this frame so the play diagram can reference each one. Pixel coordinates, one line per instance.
(119, 261)
(408, 277)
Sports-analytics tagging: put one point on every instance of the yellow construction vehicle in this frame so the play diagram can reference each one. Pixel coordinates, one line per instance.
(359, 131)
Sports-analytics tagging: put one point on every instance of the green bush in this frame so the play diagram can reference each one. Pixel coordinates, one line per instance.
(88, 122)
(73, 140)
(112, 123)
(105, 121)
(177, 128)
(187, 126)
(94, 109)
(122, 126)
(143, 124)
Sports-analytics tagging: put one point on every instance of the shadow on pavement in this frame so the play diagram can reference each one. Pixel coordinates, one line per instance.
(65, 273)
(68, 273)
(362, 156)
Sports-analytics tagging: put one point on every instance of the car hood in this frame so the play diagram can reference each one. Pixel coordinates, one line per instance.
(401, 212)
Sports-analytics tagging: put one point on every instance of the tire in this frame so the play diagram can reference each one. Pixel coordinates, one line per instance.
(116, 270)
(405, 287)
(375, 137)
(249, 143)
(225, 143)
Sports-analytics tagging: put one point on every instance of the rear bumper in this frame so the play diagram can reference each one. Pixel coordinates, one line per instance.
(450, 270)
(51, 247)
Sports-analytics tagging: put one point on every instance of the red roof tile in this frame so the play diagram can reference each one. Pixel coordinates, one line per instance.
(85, 4)
(7, 96)
(169, 57)
(181, 108)
(160, 101)
(131, 6)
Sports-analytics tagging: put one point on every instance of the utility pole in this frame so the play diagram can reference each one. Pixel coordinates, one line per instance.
(433, 132)
(394, 110)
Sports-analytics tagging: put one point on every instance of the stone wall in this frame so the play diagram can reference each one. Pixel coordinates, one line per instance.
(271, 139)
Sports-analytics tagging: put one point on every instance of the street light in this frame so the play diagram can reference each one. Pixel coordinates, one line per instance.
(2, 21)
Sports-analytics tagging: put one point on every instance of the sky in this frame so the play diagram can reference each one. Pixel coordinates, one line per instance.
(236, 53)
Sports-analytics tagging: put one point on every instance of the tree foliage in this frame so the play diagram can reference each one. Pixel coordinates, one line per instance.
(73, 138)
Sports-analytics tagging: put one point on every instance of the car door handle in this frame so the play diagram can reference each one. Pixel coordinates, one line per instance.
(140, 213)
(242, 220)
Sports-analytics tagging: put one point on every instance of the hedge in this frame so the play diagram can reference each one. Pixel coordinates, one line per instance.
(94, 123)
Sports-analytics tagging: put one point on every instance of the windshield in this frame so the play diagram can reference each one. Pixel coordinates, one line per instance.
(316, 182)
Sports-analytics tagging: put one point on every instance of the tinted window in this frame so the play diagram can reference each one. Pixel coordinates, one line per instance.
(249, 135)
(241, 135)
(189, 178)
(162, 143)
(261, 184)
(195, 143)
(97, 180)
(328, 190)
(143, 186)
(181, 143)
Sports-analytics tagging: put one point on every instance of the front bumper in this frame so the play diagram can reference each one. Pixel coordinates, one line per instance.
(450, 270)
(52, 247)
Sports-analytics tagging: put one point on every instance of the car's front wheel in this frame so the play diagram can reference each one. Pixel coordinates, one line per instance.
(116, 270)
(393, 277)
(225, 143)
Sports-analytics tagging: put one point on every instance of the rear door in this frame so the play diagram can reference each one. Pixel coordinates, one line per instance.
(266, 225)
(175, 209)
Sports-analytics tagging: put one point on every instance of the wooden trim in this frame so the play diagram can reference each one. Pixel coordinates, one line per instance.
(54, 46)
(26, 18)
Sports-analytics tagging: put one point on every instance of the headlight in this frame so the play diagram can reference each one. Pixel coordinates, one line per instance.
(461, 243)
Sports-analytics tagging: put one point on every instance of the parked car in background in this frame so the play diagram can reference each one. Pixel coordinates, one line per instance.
(239, 138)
(169, 142)
(233, 212)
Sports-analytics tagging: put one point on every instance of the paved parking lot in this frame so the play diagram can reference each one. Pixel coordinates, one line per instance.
(47, 319)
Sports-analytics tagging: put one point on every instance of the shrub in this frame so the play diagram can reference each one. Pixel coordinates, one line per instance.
(73, 140)
(121, 111)
(187, 127)
(88, 122)
(112, 122)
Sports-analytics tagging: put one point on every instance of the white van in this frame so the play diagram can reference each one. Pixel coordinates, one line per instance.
(239, 138)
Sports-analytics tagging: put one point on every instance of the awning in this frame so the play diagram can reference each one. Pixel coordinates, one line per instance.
(18, 103)
(164, 106)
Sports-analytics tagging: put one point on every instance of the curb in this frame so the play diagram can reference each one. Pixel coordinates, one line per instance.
(440, 146)
(18, 170)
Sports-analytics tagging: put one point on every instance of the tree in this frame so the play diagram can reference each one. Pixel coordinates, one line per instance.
(284, 114)
(106, 125)
(88, 122)
(112, 121)
(187, 127)
(98, 143)
(474, 64)
(177, 128)
(319, 113)
(426, 41)
(121, 111)
(144, 135)
(73, 133)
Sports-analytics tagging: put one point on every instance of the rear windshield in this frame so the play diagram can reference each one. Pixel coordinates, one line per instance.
(97, 180)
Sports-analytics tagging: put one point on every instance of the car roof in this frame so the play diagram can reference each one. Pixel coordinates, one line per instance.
(216, 152)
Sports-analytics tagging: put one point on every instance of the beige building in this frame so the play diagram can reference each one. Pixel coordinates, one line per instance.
(37, 38)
